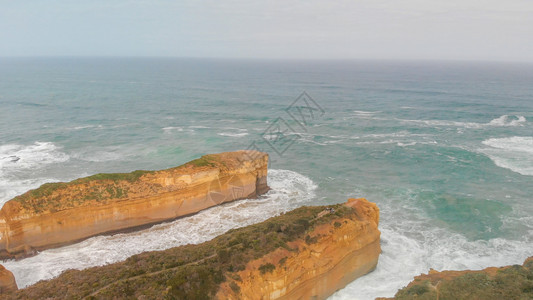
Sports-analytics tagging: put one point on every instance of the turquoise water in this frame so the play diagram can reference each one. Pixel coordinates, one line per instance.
(444, 149)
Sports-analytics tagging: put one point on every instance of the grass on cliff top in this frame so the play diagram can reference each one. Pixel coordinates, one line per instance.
(186, 272)
(47, 188)
(29, 200)
(514, 282)
(131, 177)
(204, 161)
(39, 200)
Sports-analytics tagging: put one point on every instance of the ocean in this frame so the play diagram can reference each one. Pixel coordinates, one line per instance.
(444, 148)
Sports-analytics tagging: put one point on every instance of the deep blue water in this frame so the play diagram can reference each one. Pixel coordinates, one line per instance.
(444, 148)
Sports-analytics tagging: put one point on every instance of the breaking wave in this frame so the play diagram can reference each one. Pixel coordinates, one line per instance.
(16, 159)
(513, 153)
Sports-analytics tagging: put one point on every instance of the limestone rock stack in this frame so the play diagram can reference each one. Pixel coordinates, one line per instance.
(333, 255)
(62, 213)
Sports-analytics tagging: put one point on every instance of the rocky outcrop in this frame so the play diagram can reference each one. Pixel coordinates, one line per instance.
(61, 213)
(7, 281)
(307, 253)
(331, 256)
(510, 282)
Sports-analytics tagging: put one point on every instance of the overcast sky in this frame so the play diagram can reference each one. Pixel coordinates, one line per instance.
(342, 29)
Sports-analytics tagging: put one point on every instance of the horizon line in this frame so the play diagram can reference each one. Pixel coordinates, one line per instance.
(449, 60)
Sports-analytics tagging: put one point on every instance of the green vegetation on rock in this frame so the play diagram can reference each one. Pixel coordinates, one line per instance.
(99, 187)
(204, 161)
(108, 187)
(130, 177)
(514, 282)
(187, 272)
(266, 268)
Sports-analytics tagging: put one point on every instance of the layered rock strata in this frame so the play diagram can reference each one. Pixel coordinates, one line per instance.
(308, 253)
(332, 255)
(56, 214)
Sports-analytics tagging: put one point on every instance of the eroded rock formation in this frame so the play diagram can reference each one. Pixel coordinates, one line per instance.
(331, 256)
(308, 253)
(494, 283)
(7, 281)
(61, 213)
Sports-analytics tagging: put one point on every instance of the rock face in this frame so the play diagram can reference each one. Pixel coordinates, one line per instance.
(331, 256)
(61, 213)
(307, 253)
(7, 281)
(510, 282)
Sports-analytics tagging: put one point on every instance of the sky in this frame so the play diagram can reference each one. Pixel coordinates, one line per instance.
(492, 30)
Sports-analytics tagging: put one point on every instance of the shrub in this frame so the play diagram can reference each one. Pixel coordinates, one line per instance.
(235, 287)
(266, 268)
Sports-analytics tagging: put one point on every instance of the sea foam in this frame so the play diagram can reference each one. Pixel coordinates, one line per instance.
(506, 120)
(16, 159)
(233, 134)
(14, 156)
(412, 244)
(404, 257)
(513, 153)
(502, 121)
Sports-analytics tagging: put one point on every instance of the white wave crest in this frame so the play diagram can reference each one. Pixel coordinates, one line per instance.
(444, 123)
(289, 190)
(406, 144)
(363, 112)
(502, 121)
(404, 257)
(233, 134)
(172, 128)
(13, 156)
(83, 127)
(507, 120)
(16, 159)
(513, 153)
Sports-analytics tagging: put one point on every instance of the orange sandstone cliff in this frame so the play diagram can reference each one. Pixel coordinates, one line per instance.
(7, 281)
(331, 256)
(61, 213)
(307, 253)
